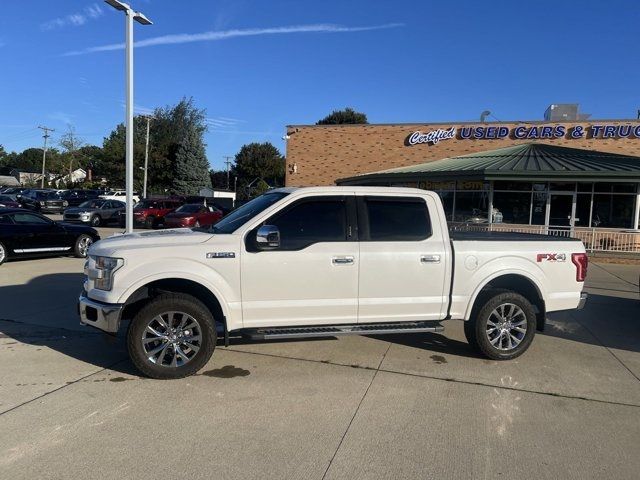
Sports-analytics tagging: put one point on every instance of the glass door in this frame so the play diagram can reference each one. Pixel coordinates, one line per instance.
(561, 210)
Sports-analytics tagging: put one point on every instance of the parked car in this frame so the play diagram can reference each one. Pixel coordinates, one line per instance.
(7, 201)
(151, 213)
(326, 261)
(28, 234)
(76, 197)
(120, 195)
(95, 212)
(225, 205)
(42, 201)
(192, 215)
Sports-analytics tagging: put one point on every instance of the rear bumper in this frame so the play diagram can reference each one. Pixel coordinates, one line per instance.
(583, 300)
(103, 316)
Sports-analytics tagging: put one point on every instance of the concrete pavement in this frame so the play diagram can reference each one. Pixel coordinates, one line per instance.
(405, 406)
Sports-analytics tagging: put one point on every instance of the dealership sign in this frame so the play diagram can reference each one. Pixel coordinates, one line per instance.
(523, 132)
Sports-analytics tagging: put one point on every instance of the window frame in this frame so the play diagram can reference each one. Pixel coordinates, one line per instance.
(350, 217)
(363, 216)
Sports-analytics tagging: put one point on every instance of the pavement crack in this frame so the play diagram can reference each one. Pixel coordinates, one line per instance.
(442, 379)
(613, 274)
(356, 412)
(606, 347)
(64, 386)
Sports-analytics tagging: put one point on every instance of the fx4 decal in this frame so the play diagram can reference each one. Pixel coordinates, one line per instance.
(551, 257)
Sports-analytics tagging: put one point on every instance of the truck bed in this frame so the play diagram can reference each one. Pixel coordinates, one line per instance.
(506, 237)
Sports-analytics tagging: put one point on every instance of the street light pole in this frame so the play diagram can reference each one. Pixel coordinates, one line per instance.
(130, 16)
(146, 160)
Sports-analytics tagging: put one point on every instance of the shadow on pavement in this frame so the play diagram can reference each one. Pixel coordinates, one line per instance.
(40, 313)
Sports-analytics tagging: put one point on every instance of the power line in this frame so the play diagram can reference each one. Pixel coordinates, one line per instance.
(46, 135)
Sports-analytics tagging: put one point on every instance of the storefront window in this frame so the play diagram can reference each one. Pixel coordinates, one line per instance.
(583, 209)
(521, 186)
(511, 207)
(585, 187)
(613, 211)
(447, 204)
(472, 207)
(615, 187)
(562, 186)
(539, 208)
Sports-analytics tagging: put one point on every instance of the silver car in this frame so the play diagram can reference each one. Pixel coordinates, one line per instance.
(95, 212)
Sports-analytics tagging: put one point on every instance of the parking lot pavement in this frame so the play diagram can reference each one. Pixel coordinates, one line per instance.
(401, 406)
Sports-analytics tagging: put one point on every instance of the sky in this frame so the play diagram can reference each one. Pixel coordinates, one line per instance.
(257, 66)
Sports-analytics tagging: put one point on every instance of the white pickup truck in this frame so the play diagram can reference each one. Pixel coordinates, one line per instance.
(321, 262)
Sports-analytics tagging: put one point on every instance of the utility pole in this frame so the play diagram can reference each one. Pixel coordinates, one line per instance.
(146, 160)
(46, 135)
(228, 162)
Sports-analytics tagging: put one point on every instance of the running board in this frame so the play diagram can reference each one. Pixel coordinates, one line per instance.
(331, 330)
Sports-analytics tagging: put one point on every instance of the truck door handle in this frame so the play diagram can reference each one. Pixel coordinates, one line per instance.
(342, 260)
(430, 258)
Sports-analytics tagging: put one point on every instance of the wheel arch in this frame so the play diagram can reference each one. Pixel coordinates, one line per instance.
(517, 282)
(141, 296)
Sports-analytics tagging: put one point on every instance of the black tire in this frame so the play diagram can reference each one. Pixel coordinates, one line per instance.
(3, 254)
(96, 221)
(81, 247)
(150, 222)
(171, 302)
(476, 328)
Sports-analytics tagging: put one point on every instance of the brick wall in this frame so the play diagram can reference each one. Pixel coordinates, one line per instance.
(323, 154)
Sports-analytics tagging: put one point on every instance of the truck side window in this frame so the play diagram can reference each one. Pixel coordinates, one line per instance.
(311, 222)
(396, 219)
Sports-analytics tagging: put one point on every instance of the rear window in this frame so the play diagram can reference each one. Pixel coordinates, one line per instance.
(5, 220)
(395, 219)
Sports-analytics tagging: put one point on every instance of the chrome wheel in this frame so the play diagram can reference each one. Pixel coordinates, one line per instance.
(171, 339)
(3, 254)
(506, 326)
(83, 246)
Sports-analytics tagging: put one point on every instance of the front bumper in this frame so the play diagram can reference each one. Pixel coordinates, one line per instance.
(104, 316)
(583, 300)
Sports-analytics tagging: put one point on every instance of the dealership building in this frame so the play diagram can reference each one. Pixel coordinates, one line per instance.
(567, 172)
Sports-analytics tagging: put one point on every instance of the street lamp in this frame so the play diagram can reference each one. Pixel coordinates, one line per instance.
(140, 18)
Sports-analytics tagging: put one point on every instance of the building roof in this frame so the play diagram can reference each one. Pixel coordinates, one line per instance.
(528, 161)
(9, 181)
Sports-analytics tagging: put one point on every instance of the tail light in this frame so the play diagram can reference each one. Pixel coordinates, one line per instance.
(581, 261)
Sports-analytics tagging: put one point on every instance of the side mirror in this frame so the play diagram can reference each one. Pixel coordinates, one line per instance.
(268, 237)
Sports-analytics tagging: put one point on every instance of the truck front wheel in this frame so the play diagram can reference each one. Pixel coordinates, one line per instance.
(173, 336)
(502, 325)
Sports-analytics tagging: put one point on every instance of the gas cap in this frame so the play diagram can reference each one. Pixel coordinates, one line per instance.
(471, 262)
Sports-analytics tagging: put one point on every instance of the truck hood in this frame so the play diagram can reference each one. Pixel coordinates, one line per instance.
(112, 246)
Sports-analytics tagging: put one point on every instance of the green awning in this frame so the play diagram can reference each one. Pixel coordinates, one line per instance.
(529, 161)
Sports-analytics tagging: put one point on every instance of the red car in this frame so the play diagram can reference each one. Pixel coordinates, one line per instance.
(192, 215)
(151, 213)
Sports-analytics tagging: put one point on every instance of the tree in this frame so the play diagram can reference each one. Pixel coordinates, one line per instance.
(219, 179)
(255, 162)
(168, 129)
(71, 143)
(346, 116)
(192, 167)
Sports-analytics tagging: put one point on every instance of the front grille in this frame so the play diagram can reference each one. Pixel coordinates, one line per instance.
(72, 216)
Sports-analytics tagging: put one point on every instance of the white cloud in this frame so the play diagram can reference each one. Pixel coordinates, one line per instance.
(91, 12)
(213, 36)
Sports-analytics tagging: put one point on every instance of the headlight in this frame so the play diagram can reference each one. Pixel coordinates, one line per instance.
(43, 203)
(105, 267)
(65, 204)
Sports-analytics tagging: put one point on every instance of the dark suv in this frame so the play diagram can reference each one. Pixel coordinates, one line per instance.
(45, 201)
(76, 197)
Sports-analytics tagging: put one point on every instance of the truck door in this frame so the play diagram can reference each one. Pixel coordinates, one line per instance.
(312, 277)
(402, 260)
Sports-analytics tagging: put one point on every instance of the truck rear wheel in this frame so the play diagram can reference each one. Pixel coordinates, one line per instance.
(173, 336)
(502, 325)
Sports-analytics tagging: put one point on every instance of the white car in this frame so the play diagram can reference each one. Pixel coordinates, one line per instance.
(120, 195)
(325, 261)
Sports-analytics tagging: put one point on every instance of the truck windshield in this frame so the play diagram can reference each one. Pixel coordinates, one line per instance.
(246, 212)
